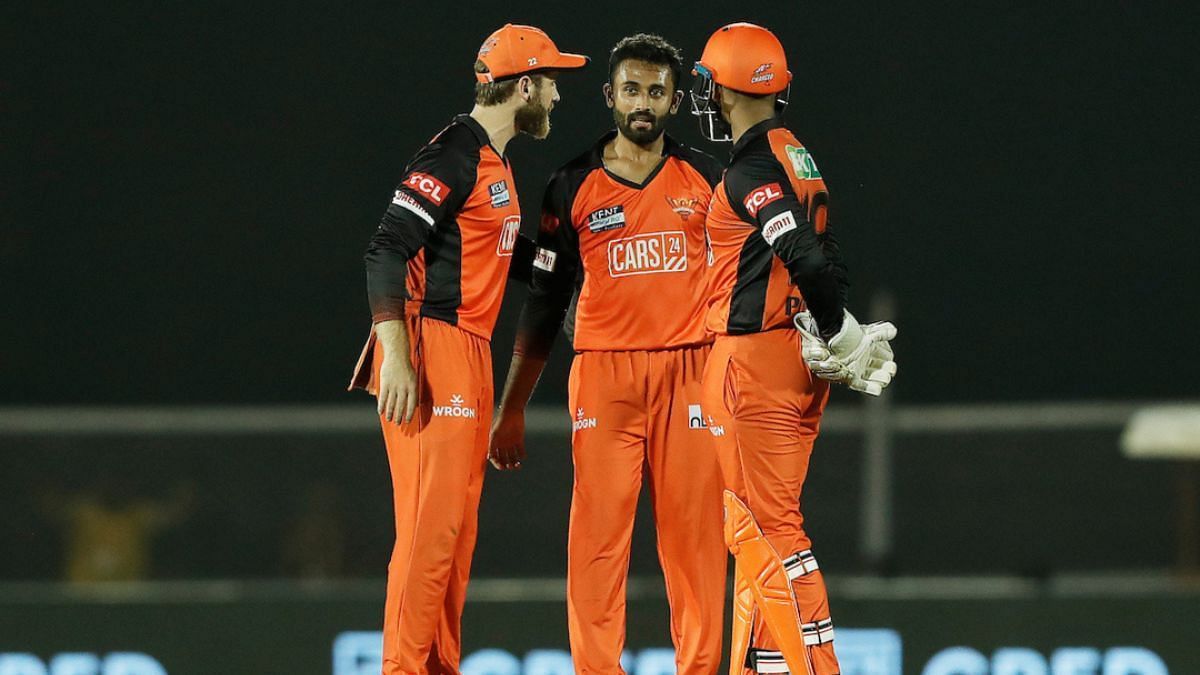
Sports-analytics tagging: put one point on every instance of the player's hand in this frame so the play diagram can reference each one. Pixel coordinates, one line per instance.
(506, 446)
(397, 398)
(860, 357)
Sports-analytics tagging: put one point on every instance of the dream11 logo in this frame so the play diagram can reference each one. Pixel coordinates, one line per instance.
(860, 652)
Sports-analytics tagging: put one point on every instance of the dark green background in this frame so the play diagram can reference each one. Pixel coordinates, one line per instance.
(189, 186)
(1028, 504)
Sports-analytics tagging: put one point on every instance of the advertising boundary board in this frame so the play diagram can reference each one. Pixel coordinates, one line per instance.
(295, 629)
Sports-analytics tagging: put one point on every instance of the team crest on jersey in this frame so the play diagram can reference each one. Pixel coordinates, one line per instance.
(684, 206)
(802, 163)
(607, 218)
(499, 194)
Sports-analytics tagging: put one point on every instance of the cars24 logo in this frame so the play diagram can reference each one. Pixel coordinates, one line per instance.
(509, 232)
(647, 254)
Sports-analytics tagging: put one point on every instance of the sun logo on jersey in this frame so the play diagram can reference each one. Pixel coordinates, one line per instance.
(685, 207)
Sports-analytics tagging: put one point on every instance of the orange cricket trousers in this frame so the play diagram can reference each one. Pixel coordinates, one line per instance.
(437, 464)
(766, 408)
(636, 412)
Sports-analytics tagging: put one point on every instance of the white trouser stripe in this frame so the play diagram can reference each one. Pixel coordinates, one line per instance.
(818, 633)
(800, 564)
(766, 661)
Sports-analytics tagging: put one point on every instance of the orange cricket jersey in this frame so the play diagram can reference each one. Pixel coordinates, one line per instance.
(768, 225)
(630, 259)
(456, 215)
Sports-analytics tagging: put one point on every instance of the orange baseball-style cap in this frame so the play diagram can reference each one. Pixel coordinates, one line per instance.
(516, 50)
(746, 58)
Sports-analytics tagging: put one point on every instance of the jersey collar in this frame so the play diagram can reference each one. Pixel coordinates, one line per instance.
(754, 132)
(671, 148)
(480, 133)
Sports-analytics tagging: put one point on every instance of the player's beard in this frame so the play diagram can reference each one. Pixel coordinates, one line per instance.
(533, 118)
(641, 136)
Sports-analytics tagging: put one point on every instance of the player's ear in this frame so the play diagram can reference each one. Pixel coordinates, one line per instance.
(608, 94)
(525, 88)
(676, 100)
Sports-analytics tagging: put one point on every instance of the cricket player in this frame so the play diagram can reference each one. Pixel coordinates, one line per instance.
(777, 307)
(436, 272)
(621, 258)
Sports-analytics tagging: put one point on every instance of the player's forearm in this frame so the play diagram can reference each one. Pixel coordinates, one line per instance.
(523, 374)
(393, 336)
(819, 279)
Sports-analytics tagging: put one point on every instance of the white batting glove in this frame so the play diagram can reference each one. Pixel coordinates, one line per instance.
(858, 356)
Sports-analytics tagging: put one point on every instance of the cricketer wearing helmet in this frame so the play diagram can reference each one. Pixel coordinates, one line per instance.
(436, 271)
(621, 267)
(777, 308)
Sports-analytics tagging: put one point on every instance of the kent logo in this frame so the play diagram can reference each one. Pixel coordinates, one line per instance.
(455, 409)
(761, 196)
(802, 163)
(429, 187)
(607, 218)
(499, 194)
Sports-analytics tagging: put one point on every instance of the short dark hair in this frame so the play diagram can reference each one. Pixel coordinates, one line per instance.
(649, 48)
(499, 91)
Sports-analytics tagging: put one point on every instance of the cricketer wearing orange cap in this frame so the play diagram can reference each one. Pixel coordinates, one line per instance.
(436, 272)
(622, 245)
(777, 307)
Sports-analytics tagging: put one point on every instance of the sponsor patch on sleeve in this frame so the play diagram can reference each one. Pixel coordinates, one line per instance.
(406, 202)
(544, 260)
(428, 187)
(777, 226)
(761, 196)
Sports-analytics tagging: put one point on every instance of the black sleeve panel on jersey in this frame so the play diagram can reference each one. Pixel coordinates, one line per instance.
(833, 252)
(783, 221)
(520, 268)
(557, 272)
(435, 186)
(706, 164)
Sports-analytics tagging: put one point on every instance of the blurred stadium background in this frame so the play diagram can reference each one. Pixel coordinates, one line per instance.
(186, 488)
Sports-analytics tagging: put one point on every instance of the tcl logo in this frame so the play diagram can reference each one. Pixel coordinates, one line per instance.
(647, 254)
(509, 231)
(433, 189)
(761, 196)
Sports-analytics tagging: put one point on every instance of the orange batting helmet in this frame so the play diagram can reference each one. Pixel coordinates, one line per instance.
(742, 57)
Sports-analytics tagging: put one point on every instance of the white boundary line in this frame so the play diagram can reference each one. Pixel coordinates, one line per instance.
(341, 419)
